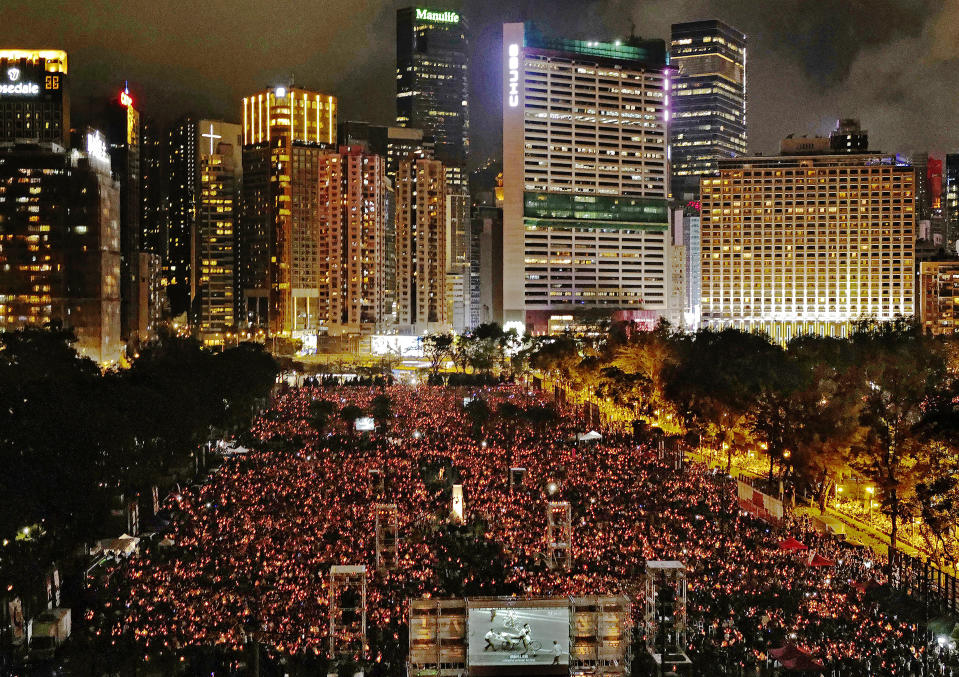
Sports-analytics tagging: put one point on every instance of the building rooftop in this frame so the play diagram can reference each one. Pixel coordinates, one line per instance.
(633, 49)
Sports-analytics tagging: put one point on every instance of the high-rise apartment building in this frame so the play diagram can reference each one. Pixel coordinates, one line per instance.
(218, 177)
(432, 89)
(708, 104)
(60, 243)
(584, 177)
(421, 248)
(938, 296)
(284, 129)
(392, 143)
(352, 247)
(34, 96)
(807, 244)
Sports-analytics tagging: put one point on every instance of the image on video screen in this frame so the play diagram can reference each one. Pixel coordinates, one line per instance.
(518, 636)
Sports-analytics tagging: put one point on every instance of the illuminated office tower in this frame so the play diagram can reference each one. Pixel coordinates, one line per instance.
(951, 209)
(184, 145)
(708, 104)
(807, 244)
(218, 176)
(121, 120)
(205, 176)
(431, 79)
(60, 243)
(421, 250)
(283, 129)
(352, 208)
(34, 96)
(585, 218)
(153, 213)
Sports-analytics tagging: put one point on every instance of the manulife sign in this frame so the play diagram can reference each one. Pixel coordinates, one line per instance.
(440, 17)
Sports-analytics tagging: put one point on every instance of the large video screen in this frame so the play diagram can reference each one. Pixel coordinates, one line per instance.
(519, 637)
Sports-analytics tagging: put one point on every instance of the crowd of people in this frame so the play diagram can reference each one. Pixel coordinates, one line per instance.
(248, 554)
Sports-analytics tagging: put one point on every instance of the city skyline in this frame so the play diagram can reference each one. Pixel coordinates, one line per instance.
(877, 63)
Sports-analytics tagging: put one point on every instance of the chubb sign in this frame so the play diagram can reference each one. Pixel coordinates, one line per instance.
(512, 67)
(441, 17)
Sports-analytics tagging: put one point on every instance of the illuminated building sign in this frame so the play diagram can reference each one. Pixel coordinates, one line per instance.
(97, 147)
(14, 86)
(513, 68)
(126, 99)
(440, 17)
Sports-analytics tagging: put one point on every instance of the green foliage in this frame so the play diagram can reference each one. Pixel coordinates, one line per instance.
(72, 438)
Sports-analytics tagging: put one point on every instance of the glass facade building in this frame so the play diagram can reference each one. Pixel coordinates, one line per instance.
(431, 79)
(708, 102)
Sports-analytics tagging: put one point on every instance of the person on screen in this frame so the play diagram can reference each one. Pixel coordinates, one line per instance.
(557, 652)
(491, 640)
(525, 635)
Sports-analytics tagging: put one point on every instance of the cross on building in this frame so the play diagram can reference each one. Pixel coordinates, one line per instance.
(211, 136)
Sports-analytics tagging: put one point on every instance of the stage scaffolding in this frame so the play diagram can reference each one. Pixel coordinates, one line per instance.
(600, 636)
(437, 638)
(387, 535)
(559, 534)
(665, 614)
(348, 611)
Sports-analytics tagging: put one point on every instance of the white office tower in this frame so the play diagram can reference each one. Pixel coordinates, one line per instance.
(586, 223)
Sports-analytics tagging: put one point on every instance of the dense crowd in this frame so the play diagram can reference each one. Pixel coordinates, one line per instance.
(251, 549)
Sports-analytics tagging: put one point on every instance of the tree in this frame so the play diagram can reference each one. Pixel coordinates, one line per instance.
(381, 409)
(715, 384)
(437, 348)
(478, 412)
(825, 411)
(321, 412)
(900, 370)
(349, 414)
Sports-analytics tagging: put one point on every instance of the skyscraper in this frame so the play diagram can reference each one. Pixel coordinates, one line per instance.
(813, 243)
(34, 95)
(122, 125)
(421, 249)
(153, 212)
(218, 176)
(585, 217)
(283, 129)
(431, 79)
(184, 145)
(952, 200)
(60, 249)
(708, 104)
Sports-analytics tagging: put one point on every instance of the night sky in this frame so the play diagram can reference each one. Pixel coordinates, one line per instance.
(892, 63)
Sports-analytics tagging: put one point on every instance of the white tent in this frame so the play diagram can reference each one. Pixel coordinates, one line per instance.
(591, 436)
(125, 545)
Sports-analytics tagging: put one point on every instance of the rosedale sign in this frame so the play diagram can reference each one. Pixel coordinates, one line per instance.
(21, 88)
(441, 17)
